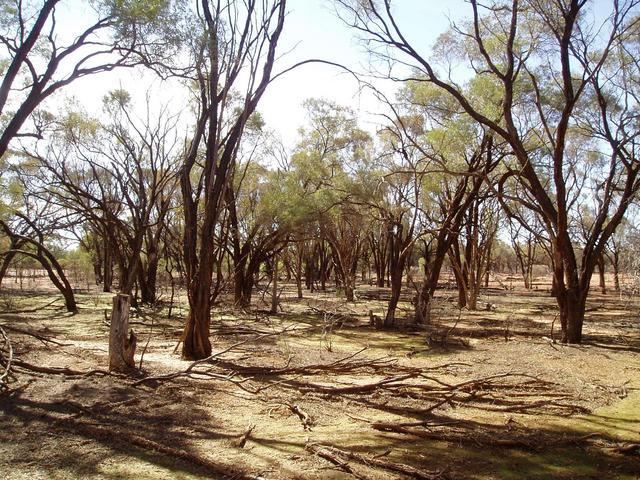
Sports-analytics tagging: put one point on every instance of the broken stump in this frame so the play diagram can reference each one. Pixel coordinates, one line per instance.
(121, 348)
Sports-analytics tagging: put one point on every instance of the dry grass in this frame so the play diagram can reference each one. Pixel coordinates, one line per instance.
(542, 410)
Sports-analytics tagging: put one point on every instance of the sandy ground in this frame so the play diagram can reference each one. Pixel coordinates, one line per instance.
(479, 395)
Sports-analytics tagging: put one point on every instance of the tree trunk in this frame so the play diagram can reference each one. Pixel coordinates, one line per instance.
(243, 283)
(299, 277)
(573, 313)
(196, 344)
(6, 262)
(601, 272)
(108, 266)
(149, 286)
(462, 288)
(616, 273)
(396, 288)
(274, 287)
(121, 348)
(349, 292)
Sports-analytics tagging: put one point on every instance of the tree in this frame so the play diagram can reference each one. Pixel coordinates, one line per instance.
(119, 177)
(234, 52)
(31, 243)
(470, 253)
(257, 225)
(542, 59)
(41, 56)
(328, 167)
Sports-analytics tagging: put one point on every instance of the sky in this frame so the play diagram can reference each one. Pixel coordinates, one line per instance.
(312, 30)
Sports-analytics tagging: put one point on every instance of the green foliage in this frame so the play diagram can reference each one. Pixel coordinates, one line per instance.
(116, 99)
(138, 11)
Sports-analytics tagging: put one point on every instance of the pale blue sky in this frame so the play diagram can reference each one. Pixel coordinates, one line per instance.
(317, 33)
(312, 30)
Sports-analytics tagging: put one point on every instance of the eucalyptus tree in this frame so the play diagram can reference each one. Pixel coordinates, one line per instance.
(31, 229)
(470, 253)
(330, 165)
(48, 44)
(453, 159)
(542, 59)
(28, 239)
(258, 223)
(118, 177)
(395, 205)
(233, 53)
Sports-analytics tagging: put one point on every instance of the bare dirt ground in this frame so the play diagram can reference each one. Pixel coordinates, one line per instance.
(477, 395)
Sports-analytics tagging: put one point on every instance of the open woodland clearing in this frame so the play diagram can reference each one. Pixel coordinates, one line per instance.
(482, 394)
(431, 269)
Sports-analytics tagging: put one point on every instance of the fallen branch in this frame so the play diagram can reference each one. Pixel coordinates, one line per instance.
(377, 462)
(190, 369)
(30, 310)
(59, 370)
(242, 440)
(325, 453)
(626, 448)
(341, 365)
(42, 338)
(305, 418)
(366, 387)
(489, 438)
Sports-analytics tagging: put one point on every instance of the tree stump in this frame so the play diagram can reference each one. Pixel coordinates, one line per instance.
(121, 348)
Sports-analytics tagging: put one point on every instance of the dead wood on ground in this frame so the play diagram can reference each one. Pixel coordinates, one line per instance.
(341, 457)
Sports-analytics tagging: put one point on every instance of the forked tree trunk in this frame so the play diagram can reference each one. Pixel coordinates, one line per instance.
(196, 343)
(122, 348)
(243, 287)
